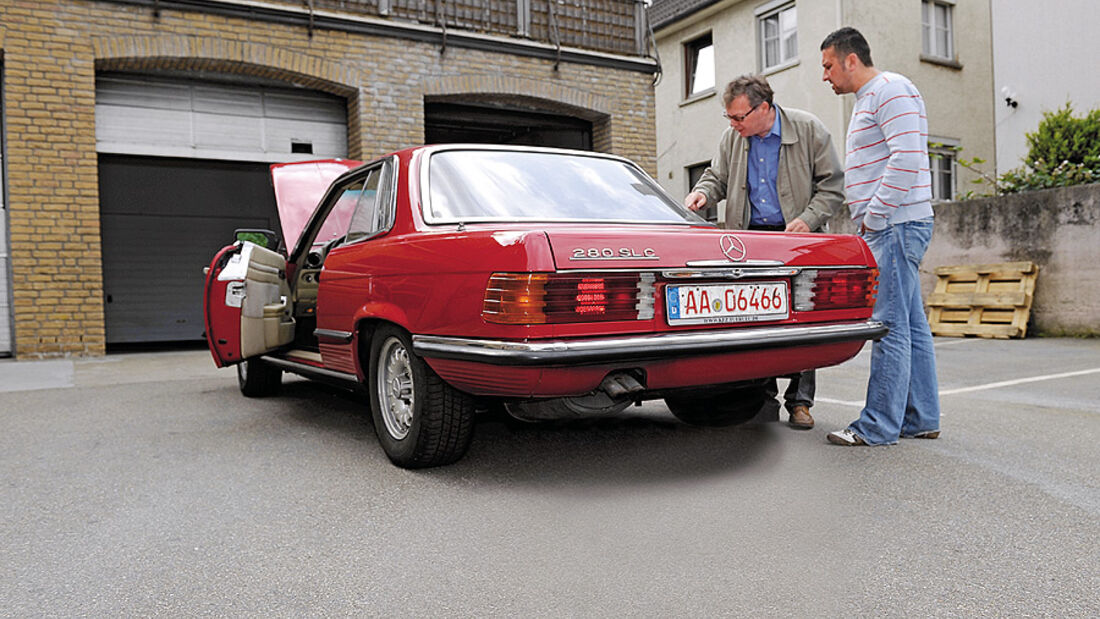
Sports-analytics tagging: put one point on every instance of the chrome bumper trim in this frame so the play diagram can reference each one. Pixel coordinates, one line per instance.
(641, 347)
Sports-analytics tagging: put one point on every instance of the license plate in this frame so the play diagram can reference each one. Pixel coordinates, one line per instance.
(718, 303)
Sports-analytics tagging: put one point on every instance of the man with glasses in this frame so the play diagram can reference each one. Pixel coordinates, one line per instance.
(777, 170)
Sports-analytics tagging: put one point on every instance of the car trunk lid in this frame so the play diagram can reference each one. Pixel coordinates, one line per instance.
(650, 247)
(299, 187)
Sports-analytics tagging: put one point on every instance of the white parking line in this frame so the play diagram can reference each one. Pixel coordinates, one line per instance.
(954, 342)
(1018, 381)
(996, 385)
(858, 404)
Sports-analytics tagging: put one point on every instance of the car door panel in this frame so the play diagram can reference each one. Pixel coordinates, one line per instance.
(248, 311)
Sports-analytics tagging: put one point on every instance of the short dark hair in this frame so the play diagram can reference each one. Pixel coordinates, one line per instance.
(846, 41)
(755, 87)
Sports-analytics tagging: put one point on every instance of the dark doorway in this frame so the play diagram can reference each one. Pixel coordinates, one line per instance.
(488, 124)
(162, 221)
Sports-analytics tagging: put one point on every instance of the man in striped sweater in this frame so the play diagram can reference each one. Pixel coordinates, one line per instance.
(889, 193)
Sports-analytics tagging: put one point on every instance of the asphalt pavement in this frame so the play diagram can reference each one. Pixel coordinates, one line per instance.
(145, 484)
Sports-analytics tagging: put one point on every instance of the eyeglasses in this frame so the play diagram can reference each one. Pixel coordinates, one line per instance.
(741, 117)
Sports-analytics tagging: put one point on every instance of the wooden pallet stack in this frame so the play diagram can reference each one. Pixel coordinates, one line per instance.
(987, 300)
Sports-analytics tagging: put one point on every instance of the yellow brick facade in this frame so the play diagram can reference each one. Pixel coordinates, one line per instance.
(53, 49)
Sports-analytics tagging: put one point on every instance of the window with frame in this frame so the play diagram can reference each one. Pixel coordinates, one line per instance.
(374, 207)
(699, 65)
(778, 30)
(936, 29)
(942, 168)
(694, 173)
(362, 208)
(335, 225)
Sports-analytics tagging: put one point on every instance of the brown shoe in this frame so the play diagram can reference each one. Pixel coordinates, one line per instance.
(800, 418)
(931, 434)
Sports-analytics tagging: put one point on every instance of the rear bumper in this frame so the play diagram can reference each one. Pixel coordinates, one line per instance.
(642, 347)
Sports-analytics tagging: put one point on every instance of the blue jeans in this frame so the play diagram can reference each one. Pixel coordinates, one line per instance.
(902, 391)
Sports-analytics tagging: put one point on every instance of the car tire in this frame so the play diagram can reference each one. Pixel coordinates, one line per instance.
(715, 408)
(420, 420)
(258, 379)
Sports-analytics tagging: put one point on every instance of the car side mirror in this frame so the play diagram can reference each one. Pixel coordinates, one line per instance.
(264, 238)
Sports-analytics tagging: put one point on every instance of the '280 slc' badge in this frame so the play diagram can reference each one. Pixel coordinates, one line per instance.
(732, 247)
(608, 253)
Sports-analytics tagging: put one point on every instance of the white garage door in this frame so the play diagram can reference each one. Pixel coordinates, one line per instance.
(5, 269)
(207, 120)
(182, 163)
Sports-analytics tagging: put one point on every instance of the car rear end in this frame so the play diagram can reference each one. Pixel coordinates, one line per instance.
(622, 281)
(669, 306)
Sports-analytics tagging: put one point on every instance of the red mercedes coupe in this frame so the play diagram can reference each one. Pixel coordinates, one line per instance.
(448, 280)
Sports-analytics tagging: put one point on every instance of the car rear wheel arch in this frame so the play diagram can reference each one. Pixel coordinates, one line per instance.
(364, 332)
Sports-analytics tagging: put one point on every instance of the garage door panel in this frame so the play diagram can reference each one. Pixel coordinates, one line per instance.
(115, 125)
(148, 297)
(5, 283)
(180, 118)
(228, 101)
(163, 220)
(5, 307)
(325, 138)
(229, 132)
(202, 189)
(299, 107)
(130, 92)
(164, 216)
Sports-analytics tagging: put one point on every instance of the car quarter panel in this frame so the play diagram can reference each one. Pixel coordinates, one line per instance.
(425, 282)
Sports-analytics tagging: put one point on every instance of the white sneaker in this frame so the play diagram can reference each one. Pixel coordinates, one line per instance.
(846, 438)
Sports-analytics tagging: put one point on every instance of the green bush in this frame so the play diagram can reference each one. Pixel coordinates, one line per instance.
(1063, 138)
(1063, 151)
(1042, 176)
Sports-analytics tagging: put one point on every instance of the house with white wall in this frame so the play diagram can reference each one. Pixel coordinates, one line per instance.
(1040, 62)
(942, 45)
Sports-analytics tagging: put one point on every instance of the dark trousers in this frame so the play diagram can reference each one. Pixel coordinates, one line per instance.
(799, 391)
(802, 386)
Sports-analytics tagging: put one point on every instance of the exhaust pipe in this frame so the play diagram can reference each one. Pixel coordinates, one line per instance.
(621, 385)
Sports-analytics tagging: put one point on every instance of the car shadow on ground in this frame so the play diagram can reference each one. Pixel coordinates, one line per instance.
(641, 445)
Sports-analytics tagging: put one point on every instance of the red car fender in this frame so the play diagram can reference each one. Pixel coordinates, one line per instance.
(382, 311)
(373, 313)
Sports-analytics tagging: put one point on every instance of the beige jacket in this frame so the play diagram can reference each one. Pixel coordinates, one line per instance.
(810, 181)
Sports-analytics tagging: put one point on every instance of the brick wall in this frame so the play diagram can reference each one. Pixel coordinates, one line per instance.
(52, 50)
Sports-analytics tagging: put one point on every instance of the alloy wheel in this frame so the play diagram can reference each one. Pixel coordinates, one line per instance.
(396, 388)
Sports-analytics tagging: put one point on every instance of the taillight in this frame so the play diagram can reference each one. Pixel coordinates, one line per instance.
(548, 298)
(824, 289)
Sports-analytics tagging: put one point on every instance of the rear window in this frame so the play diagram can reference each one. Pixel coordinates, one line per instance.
(500, 185)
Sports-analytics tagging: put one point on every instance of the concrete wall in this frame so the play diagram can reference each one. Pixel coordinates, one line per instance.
(1055, 228)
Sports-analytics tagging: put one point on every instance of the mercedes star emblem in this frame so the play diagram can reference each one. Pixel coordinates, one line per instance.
(732, 247)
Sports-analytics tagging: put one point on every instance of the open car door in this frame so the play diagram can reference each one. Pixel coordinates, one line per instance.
(247, 303)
